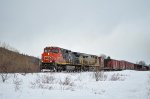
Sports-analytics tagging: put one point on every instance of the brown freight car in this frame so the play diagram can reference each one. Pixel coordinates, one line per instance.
(112, 64)
(122, 65)
(129, 65)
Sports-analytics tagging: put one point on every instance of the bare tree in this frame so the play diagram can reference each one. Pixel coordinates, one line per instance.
(103, 56)
(141, 63)
(108, 57)
(7, 46)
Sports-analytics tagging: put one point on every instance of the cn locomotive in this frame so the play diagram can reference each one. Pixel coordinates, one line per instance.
(60, 59)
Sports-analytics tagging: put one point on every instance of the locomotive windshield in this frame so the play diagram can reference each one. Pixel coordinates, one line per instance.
(46, 50)
(54, 50)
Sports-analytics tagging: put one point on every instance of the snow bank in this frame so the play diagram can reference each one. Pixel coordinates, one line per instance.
(117, 84)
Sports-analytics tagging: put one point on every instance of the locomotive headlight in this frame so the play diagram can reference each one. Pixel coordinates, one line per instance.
(48, 53)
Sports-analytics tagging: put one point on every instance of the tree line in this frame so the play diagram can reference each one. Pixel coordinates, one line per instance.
(12, 61)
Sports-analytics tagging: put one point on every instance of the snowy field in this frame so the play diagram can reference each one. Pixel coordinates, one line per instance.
(85, 85)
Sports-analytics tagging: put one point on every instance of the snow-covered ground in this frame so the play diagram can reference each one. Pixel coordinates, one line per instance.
(85, 85)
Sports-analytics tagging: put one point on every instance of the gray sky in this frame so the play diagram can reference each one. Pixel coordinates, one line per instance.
(118, 28)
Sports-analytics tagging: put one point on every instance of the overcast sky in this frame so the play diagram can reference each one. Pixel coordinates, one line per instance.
(118, 28)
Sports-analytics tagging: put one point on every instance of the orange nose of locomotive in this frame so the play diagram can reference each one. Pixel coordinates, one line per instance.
(48, 57)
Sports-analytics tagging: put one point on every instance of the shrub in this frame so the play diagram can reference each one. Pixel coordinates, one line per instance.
(17, 82)
(67, 81)
(66, 84)
(4, 76)
(100, 76)
(148, 93)
(43, 82)
(117, 76)
(48, 79)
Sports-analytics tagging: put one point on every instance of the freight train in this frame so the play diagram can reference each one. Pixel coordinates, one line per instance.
(60, 59)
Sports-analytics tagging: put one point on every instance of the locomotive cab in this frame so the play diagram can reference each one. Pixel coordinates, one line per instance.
(50, 57)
